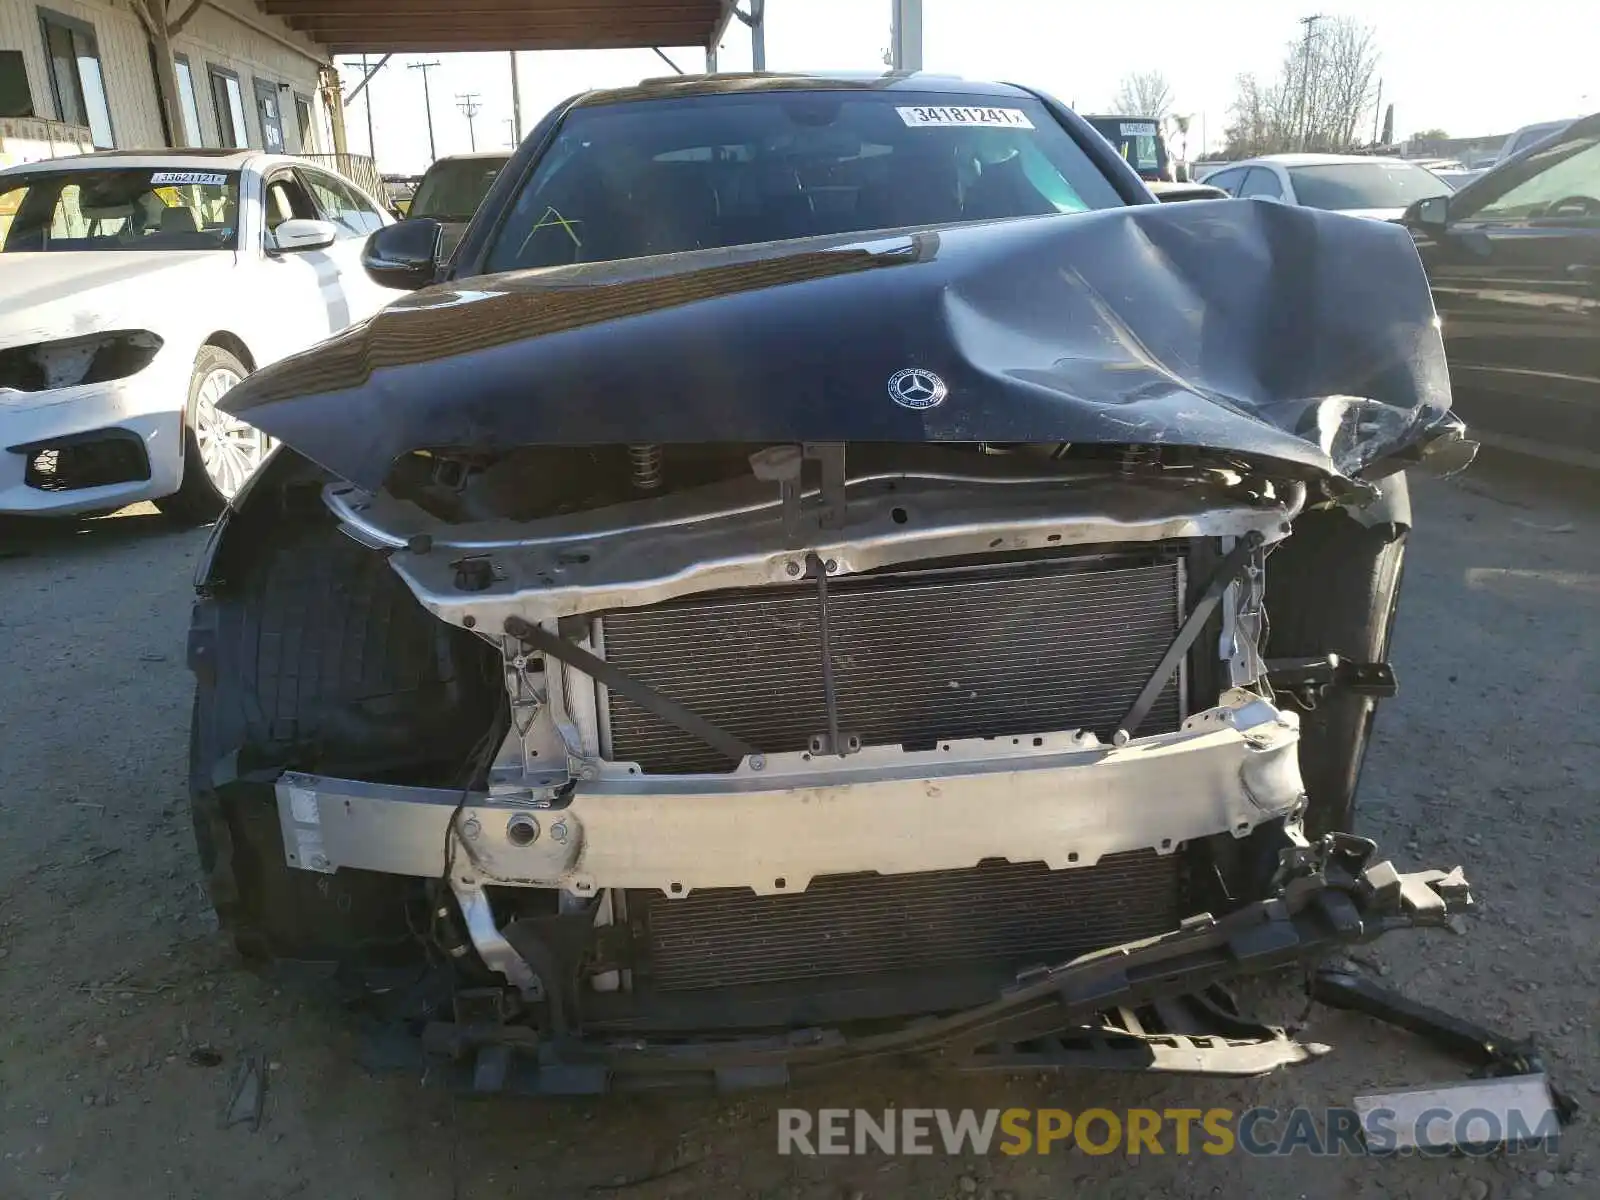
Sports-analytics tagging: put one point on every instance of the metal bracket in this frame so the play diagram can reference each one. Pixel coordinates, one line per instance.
(1494, 1053)
(1232, 566)
(1308, 680)
(624, 684)
(497, 953)
(831, 456)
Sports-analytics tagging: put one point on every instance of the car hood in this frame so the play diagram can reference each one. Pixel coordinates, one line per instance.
(1257, 330)
(59, 295)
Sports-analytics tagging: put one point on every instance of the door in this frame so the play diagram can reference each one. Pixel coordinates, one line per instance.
(356, 217)
(301, 296)
(270, 115)
(1516, 279)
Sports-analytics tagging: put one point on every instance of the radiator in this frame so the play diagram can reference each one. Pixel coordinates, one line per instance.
(917, 656)
(997, 914)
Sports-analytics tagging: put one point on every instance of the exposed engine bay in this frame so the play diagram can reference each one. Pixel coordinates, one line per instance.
(844, 716)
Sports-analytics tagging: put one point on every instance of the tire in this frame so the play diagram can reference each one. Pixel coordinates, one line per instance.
(219, 451)
(319, 659)
(1333, 587)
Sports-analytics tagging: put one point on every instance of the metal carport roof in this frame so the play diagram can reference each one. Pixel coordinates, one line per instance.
(426, 26)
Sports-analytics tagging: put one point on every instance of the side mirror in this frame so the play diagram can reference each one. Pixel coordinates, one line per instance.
(404, 255)
(300, 233)
(1431, 213)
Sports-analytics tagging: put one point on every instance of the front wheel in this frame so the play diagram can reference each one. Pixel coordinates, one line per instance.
(220, 451)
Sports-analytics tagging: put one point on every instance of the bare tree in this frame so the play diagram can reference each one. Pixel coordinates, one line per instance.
(1321, 98)
(1144, 94)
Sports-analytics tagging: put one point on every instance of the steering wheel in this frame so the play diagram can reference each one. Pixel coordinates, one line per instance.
(1574, 206)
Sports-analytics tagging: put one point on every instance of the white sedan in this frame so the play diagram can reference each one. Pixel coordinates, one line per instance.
(136, 289)
(1356, 184)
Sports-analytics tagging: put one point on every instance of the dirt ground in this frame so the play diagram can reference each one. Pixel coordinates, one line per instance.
(125, 1016)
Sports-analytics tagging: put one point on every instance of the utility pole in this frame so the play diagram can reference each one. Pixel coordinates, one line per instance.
(511, 132)
(372, 148)
(1305, 75)
(427, 100)
(516, 103)
(467, 102)
(1377, 113)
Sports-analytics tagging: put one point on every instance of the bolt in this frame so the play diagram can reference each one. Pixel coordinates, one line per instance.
(791, 568)
(587, 771)
(520, 662)
(319, 862)
(471, 829)
(558, 831)
(420, 544)
(469, 622)
(830, 566)
(758, 762)
(522, 830)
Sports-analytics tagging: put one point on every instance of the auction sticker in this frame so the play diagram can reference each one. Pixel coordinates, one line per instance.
(188, 177)
(994, 118)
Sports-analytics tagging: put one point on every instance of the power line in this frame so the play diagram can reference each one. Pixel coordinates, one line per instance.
(467, 102)
(1305, 75)
(427, 100)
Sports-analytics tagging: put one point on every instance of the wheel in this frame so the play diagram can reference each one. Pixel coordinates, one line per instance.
(1333, 587)
(319, 659)
(219, 451)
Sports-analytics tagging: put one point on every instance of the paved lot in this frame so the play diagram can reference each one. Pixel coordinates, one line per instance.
(116, 991)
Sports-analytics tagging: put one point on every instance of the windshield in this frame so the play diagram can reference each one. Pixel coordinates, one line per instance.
(664, 176)
(1138, 141)
(454, 187)
(1559, 184)
(1341, 186)
(119, 208)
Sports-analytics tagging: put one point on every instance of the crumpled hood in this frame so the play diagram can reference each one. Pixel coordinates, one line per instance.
(1259, 329)
(67, 294)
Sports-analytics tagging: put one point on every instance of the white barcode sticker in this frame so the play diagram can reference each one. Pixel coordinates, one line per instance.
(995, 118)
(211, 178)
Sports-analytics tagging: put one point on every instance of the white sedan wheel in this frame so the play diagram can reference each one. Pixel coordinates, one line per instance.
(230, 450)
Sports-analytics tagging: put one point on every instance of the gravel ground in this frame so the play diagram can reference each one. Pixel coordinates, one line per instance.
(126, 1016)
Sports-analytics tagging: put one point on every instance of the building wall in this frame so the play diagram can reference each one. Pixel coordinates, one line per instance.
(210, 38)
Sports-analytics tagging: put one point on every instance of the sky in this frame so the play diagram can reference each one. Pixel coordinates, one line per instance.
(1439, 68)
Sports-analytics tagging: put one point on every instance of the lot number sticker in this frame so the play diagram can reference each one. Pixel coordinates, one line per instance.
(995, 118)
(188, 177)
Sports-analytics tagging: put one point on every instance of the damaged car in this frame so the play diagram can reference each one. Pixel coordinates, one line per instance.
(831, 568)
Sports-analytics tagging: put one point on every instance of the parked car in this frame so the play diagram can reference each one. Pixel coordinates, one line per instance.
(1458, 178)
(1353, 184)
(400, 189)
(1139, 141)
(794, 586)
(135, 290)
(1528, 137)
(1168, 192)
(452, 189)
(1514, 260)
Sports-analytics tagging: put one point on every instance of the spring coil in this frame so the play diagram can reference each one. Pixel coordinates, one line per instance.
(645, 466)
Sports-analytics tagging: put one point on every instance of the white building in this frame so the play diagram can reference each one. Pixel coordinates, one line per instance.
(144, 73)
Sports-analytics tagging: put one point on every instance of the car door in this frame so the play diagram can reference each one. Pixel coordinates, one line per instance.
(1516, 279)
(293, 300)
(355, 216)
